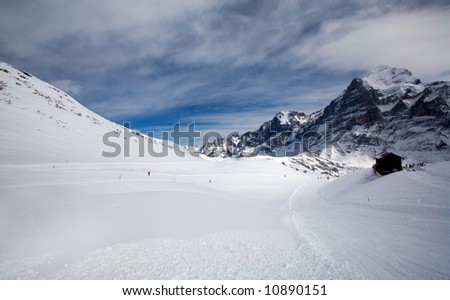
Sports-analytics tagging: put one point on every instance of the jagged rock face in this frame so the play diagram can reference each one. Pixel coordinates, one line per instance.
(433, 101)
(284, 121)
(357, 106)
(388, 108)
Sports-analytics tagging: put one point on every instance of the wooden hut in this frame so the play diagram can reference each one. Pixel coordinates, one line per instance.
(387, 162)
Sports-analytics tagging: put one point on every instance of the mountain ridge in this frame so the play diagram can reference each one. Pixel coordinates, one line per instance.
(388, 109)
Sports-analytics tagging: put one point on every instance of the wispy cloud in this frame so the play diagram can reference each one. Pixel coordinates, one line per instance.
(416, 39)
(167, 61)
(67, 86)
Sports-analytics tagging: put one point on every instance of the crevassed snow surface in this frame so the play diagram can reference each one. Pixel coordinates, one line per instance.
(68, 213)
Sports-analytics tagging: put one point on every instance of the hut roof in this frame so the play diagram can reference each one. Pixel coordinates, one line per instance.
(384, 154)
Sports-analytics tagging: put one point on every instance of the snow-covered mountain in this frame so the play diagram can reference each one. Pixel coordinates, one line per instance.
(67, 212)
(388, 109)
(41, 123)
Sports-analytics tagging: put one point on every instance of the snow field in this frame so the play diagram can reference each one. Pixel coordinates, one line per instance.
(116, 217)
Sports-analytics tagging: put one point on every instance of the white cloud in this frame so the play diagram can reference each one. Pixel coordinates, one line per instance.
(67, 86)
(418, 40)
(99, 35)
(150, 58)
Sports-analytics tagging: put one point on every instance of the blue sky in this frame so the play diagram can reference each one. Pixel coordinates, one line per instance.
(225, 65)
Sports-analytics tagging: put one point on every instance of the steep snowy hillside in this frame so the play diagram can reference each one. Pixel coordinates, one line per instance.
(388, 109)
(40, 123)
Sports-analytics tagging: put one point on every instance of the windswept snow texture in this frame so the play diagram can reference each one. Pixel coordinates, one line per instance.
(66, 212)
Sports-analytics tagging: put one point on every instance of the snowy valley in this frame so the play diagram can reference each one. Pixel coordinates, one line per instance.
(67, 212)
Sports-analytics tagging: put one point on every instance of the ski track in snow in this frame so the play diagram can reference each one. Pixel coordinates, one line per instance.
(395, 227)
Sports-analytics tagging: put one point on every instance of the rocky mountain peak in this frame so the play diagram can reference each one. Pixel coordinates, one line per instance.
(288, 117)
(387, 109)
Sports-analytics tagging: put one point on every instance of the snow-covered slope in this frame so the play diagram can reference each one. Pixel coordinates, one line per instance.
(393, 85)
(40, 123)
(385, 77)
(393, 227)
